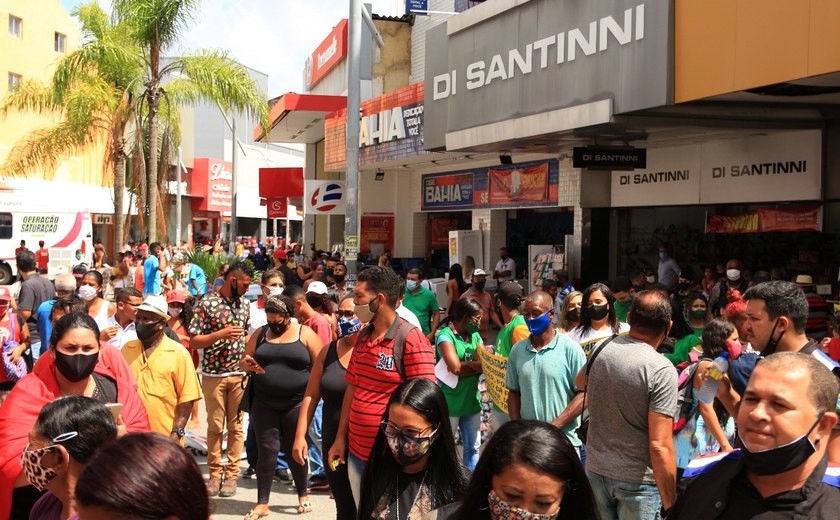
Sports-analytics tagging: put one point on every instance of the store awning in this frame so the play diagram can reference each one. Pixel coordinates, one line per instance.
(299, 118)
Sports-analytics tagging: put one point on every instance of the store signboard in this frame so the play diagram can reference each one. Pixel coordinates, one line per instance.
(377, 233)
(277, 208)
(766, 168)
(419, 7)
(329, 53)
(325, 198)
(100, 219)
(448, 191)
(505, 61)
(609, 158)
(212, 181)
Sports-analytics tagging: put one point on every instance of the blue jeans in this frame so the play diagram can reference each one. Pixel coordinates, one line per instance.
(355, 469)
(35, 350)
(617, 500)
(313, 439)
(470, 437)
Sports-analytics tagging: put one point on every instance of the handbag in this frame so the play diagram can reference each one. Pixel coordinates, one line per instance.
(14, 370)
(248, 381)
(583, 430)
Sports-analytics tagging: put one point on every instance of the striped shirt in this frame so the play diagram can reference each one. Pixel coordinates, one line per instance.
(374, 373)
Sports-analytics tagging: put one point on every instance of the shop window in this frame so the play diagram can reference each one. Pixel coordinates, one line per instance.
(15, 26)
(14, 81)
(5, 226)
(60, 42)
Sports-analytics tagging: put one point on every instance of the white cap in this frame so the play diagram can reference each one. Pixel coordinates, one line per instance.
(317, 288)
(479, 272)
(155, 304)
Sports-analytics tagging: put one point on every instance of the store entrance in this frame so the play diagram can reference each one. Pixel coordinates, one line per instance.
(439, 225)
(535, 226)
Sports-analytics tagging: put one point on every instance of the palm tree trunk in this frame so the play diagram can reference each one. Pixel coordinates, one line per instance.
(152, 165)
(119, 192)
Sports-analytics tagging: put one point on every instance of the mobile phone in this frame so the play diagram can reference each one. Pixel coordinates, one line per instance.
(115, 409)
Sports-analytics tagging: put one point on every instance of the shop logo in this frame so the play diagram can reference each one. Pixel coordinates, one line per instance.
(327, 197)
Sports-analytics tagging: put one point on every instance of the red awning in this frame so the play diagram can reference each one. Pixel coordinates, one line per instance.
(299, 118)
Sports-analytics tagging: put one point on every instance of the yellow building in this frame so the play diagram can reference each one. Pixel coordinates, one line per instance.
(34, 36)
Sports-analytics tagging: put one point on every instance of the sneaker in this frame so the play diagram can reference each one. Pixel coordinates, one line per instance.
(318, 485)
(228, 488)
(284, 476)
(213, 486)
(250, 473)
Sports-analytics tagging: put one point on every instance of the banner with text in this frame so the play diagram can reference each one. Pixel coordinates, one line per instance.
(494, 368)
(767, 220)
(377, 233)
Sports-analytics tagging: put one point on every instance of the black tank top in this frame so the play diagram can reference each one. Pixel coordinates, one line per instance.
(333, 386)
(287, 367)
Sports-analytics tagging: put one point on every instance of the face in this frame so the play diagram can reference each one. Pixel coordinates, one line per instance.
(150, 318)
(78, 341)
(552, 291)
(340, 270)
(128, 308)
(275, 281)
(51, 459)
(734, 337)
(758, 325)
(90, 281)
(362, 295)
(596, 298)
(241, 281)
(408, 421)
(479, 279)
(576, 302)
(707, 272)
(698, 305)
(776, 409)
(622, 296)
(346, 308)
(274, 318)
(525, 487)
(318, 272)
(503, 253)
(413, 277)
(536, 307)
(733, 264)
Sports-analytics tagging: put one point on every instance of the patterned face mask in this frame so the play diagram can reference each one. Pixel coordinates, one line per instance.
(501, 510)
(32, 462)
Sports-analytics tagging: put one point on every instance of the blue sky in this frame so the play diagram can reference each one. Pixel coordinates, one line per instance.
(272, 36)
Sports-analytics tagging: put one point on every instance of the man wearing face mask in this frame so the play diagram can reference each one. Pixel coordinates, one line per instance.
(421, 302)
(339, 289)
(668, 270)
(218, 326)
(541, 372)
(784, 423)
(734, 282)
(166, 379)
(488, 313)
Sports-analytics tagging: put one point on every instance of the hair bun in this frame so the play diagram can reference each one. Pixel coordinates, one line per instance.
(733, 295)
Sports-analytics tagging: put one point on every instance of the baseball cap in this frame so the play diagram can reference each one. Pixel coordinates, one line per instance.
(65, 282)
(804, 279)
(5, 294)
(175, 296)
(280, 255)
(80, 270)
(479, 272)
(510, 289)
(155, 304)
(317, 288)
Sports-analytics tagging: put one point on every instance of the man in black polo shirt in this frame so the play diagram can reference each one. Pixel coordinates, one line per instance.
(34, 290)
(784, 423)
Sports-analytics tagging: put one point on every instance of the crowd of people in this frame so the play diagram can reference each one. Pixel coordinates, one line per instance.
(640, 398)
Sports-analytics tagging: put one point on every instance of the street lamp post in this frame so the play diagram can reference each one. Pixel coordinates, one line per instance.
(351, 216)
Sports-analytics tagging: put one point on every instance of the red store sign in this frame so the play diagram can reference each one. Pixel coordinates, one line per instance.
(330, 53)
(211, 182)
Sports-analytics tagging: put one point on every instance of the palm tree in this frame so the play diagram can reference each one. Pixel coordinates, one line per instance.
(155, 27)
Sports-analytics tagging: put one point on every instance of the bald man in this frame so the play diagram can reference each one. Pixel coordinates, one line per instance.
(541, 371)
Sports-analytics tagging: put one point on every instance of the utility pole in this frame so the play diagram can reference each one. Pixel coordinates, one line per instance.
(351, 216)
(232, 228)
(178, 194)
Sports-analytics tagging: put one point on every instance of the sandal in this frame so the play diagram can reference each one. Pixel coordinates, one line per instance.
(253, 515)
(305, 507)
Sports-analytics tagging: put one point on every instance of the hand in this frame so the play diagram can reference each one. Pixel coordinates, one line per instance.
(108, 333)
(121, 429)
(702, 372)
(231, 332)
(300, 450)
(824, 344)
(338, 452)
(250, 364)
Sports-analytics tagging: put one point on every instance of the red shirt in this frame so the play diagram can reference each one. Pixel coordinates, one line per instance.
(42, 258)
(322, 328)
(373, 371)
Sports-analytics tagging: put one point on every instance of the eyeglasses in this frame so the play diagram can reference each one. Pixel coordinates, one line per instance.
(345, 314)
(409, 434)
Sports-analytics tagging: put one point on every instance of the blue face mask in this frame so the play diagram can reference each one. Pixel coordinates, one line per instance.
(538, 325)
(411, 285)
(348, 326)
(663, 255)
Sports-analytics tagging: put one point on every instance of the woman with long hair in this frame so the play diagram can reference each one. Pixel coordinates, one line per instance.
(456, 343)
(529, 469)
(100, 309)
(598, 320)
(455, 287)
(413, 467)
(570, 312)
(709, 428)
(696, 314)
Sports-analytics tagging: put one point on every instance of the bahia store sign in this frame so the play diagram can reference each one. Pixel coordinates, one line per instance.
(492, 67)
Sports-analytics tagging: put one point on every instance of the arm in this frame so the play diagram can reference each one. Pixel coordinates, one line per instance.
(182, 414)
(453, 363)
(302, 275)
(450, 292)
(494, 318)
(201, 341)
(574, 409)
(514, 405)
(662, 456)
(308, 406)
(710, 418)
(161, 262)
(339, 448)
(435, 321)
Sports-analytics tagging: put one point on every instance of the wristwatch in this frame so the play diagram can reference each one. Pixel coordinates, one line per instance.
(179, 432)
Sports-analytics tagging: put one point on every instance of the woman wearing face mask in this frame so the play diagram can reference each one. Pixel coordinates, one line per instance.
(98, 307)
(65, 437)
(327, 382)
(696, 315)
(570, 313)
(76, 364)
(272, 283)
(281, 355)
(528, 471)
(597, 319)
(457, 342)
(413, 471)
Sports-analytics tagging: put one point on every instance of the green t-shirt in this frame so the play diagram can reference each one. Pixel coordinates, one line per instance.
(504, 341)
(621, 309)
(684, 345)
(463, 400)
(423, 305)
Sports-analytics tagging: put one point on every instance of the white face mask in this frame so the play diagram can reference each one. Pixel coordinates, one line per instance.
(275, 291)
(174, 312)
(733, 274)
(650, 279)
(87, 293)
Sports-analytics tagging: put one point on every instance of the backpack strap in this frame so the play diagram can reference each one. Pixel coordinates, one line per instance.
(403, 330)
(590, 361)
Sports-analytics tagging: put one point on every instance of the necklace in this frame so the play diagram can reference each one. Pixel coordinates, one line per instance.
(413, 502)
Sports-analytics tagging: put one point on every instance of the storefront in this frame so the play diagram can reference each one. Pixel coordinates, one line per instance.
(210, 184)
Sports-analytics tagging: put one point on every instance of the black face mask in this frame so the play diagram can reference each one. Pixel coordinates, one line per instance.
(573, 315)
(772, 343)
(145, 331)
(339, 278)
(330, 272)
(278, 328)
(598, 312)
(781, 458)
(315, 301)
(684, 286)
(479, 286)
(75, 367)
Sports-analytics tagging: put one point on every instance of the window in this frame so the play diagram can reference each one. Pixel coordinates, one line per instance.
(14, 81)
(6, 225)
(60, 40)
(15, 25)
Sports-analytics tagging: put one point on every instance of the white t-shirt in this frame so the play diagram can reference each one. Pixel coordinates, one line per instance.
(258, 318)
(124, 335)
(407, 315)
(591, 337)
(506, 265)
